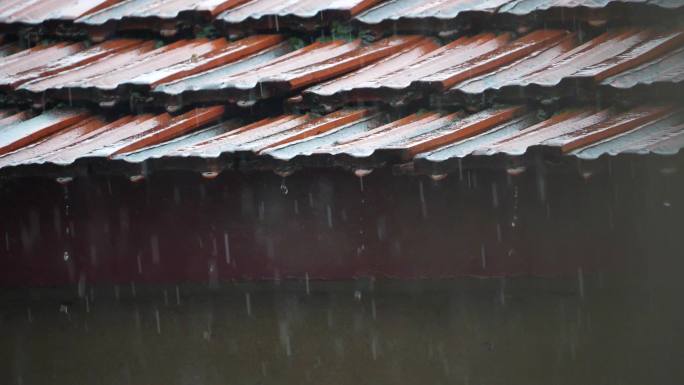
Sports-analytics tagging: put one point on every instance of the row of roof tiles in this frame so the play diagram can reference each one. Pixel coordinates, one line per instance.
(236, 12)
(334, 72)
(64, 136)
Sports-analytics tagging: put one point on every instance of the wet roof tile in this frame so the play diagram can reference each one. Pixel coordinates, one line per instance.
(8, 117)
(442, 9)
(281, 70)
(39, 11)
(661, 136)
(393, 10)
(395, 68)
(587, 133)
(419, 132)
(19, 69)
(64, 136)
(472, 65)
(16, 135)
(160, 9)
(114, 68)
(522, 7)
(117, 63)
(666, 69)
(274, 132)
(305, 9)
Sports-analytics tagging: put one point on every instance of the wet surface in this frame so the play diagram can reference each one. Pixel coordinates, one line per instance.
(600, 329)
(348, 136)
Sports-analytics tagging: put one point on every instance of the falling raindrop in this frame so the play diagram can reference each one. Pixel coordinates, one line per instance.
(423, 207)
(381, 228)
(178, 298)
(296, 207)
(248, 304)
(499, 236)
(176, 195)
(541, 182)
(226, 247)
(483, 256)
(514, 221)
(283, 187)
(117, 293)
(29, 315)
(133, 289)
(156, 317)
(81, 285)
(139, 263)
(495, 196)
(306, 280)
(329, 214)
(357, 295)
(154, 245)
(374, 313)
(285, 338)
(262, 210)
(166, 297)
(330, 318)
(580, 282)
(213, 275)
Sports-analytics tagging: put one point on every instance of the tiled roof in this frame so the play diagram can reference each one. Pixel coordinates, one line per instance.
(161, 9)
(445, 16)
(305, 9)
(279, 71)
(256, 67)
(63, 136)
(39, 11)
(425, 99)
(348, 136)
(391, 70)
(103, 18)
(473, 65)
(104, 71)
(166, 15)
(668, 68)
(449, 9)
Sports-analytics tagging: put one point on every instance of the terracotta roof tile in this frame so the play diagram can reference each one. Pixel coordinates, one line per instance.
(348, 135)
(39, 11)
